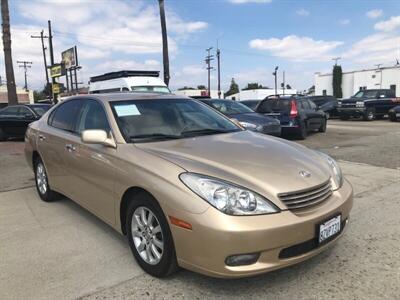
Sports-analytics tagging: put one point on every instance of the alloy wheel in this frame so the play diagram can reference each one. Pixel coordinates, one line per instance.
(41, 178)
(147, 235)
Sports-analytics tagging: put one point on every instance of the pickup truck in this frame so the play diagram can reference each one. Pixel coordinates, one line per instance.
(368, 104)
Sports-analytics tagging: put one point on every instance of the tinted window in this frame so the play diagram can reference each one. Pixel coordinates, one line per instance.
(23, 111)
(304, 104)
(40, 110)
(274, 105)
(250, 104)
(229, 107)
(93, 117)
(65, 116)
(10, 111)
(312, 104)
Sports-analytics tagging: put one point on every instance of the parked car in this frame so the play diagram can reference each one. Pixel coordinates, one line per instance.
(15, 119)
(328, 104)
(128, 81)
(297, 115)
(394, 114)
(368, 104)
(245, 116)
(187, 185)
(252, 104)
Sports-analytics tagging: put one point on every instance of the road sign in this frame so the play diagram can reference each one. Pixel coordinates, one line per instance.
(56, 88)
(57, 71)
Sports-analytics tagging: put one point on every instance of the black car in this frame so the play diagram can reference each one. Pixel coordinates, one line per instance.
(252, 104)
(15, 119)
(368, 104)
(328, 104)
(297, 115)
(394, 114)
(246, 117)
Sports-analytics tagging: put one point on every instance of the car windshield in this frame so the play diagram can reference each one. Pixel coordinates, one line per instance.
(40, 110)
(164, 119)
(365, 94)
(151, 89)
(230, 107)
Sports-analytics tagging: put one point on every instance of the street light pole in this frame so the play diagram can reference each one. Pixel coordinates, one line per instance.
(276, 82)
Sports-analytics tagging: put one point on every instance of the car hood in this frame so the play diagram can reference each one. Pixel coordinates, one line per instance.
(264, 164)
(254, 118)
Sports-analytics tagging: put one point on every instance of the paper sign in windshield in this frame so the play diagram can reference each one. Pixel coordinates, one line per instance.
(127, 110)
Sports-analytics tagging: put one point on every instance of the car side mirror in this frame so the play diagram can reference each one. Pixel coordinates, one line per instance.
(97, 136)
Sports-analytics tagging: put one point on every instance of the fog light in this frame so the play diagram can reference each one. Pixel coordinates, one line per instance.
(242, 259)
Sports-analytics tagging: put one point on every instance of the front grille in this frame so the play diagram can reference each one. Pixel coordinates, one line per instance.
(307, 198)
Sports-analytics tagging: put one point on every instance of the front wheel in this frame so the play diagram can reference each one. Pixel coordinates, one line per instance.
(392, 118)
(302, 135)
(42, 182)
(150, 238)
(2, 135)
(369, 114)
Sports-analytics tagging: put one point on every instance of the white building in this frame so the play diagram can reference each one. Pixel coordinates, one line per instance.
(259, 94)
(22, 95)
(197, 93)
(352, 82)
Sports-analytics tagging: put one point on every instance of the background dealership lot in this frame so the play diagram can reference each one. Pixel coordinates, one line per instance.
(59, 250)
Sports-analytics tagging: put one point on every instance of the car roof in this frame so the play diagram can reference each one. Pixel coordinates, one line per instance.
(123, 96)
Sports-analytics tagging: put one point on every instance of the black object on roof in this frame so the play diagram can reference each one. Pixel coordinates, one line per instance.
(125, 73)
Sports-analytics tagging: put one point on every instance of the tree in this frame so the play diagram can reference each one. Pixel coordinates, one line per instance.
(337, 81)
(288, 87)
(233, 89)
(201, 87)
(11, 88)
(252, 86)
(185, 88)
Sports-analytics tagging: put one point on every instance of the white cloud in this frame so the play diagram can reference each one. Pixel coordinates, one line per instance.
(303, 12)
(194, 70)
(389, 25)
(344, 22)
(373, 49)
(249, 1)
(297, 48)
(374, 13)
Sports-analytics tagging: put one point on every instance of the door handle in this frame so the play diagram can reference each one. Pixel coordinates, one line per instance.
(70, 147)
(41, 137)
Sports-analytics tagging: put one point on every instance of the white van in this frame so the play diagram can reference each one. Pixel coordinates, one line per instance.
(129, 81)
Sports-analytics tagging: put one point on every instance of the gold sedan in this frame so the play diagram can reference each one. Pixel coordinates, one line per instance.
(188, 186)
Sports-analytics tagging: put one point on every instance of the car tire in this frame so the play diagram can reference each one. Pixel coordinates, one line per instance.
(302, 134)
(344, 117)
(369, 114)
(2, 135)
(323, 126)
(146, 242)
(327, 115)
(392, 118)
(42, 182)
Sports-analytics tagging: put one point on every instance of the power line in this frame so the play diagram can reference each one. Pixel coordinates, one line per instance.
(25, 65)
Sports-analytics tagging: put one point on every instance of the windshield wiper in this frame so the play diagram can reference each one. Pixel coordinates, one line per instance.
(204, 131)
(154, 136)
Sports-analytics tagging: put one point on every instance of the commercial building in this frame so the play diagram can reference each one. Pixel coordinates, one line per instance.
(352, 82)
(259, 94)
(22, 95)
(198, 93)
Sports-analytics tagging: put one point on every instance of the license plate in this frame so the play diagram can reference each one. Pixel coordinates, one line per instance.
(398, 115)
(329, 229)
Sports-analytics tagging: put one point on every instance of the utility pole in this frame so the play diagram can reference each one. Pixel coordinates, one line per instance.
(11, 88)
(53, 80)
(42, 37)
(336, 59)
(219, 72)
(276, 82)
(25, 65)
(164, 42)
(208, 60)
(283, 83)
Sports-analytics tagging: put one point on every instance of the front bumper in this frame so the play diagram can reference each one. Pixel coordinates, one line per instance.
(215, 236)
(351, 111)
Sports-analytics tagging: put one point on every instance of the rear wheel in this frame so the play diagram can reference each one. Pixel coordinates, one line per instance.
(392, 118)
(344, 117)
(42, 182)
(2, 135)
(369, 114)
(149, 237)
(302, 135)
(327, 115)
(323, 126)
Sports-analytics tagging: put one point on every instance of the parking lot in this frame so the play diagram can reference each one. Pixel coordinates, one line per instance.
(60, 251)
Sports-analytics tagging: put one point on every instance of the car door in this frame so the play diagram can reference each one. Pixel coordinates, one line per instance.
(24, 118)
(313, 116)
(318, 115)
(92, 168)
(55, 145)
(9, 120)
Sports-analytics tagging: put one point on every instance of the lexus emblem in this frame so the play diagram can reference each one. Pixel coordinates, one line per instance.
(305, 174)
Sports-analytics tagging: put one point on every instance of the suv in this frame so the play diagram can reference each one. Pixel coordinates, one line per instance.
(368, 104)
(128, 81)
(326, 103)
(297, 115)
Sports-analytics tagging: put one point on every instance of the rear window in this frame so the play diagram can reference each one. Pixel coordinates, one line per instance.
(274, 105)
(65, 116)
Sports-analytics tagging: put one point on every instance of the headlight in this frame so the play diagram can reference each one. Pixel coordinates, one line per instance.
(339, 104)
(360, 104)
(227, 197)
(336, 172)
(248, 125)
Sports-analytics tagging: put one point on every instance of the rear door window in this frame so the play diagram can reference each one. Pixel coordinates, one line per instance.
(11, 111)
(66, 115)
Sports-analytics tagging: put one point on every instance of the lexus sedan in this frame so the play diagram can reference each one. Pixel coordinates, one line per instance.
(188, 186)
(245, 116)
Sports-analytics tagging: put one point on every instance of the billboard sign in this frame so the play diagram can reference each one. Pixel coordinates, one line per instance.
(70, 58)
(57, 70)
(56, 88)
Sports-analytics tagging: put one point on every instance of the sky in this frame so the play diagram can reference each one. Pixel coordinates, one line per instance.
(301, 37)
